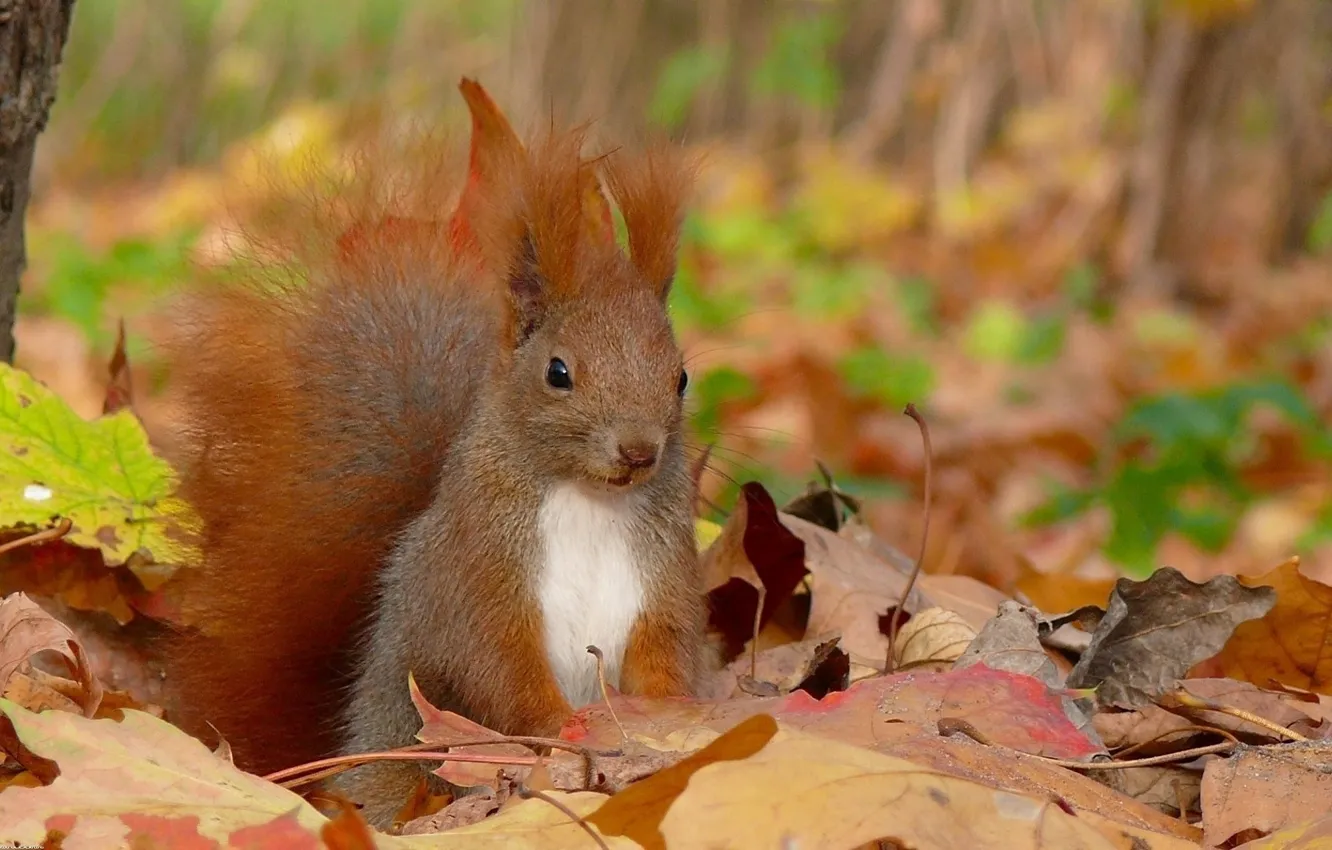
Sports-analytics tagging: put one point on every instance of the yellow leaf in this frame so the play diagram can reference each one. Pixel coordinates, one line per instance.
(759, 786)
(705, 532)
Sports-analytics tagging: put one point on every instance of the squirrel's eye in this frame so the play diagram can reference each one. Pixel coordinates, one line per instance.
(557, 375)
(684, 382)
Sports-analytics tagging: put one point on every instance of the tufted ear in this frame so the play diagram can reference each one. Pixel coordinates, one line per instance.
(494, 147)
(652, 188)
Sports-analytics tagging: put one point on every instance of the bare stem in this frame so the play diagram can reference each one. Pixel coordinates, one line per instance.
(896, 617)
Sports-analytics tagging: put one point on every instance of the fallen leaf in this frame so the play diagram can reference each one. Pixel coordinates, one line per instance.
(101, 475)
(637, 811)
(1010, 642)
(934, 634)
(754, 558)
(1154, 630)
(26, 630)
(445, 727)
(743, 785)
(112, 773)
(1292, 643)
(1265, 789)
(119, 390)
(473, 808)
(1013, 710)
(850, 590)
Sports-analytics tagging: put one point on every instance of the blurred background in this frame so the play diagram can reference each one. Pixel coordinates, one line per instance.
(1090, 239)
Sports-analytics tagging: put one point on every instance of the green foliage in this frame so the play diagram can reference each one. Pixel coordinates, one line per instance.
(1175, 465)
(833, 290)
(81, 279)
(895, 379)
(146, 83)
(1082, 291)
(101, 475)
(1320, 231)
(998, 331)
(799, 62)
(711, 391)
(685, 74)
(919, 301)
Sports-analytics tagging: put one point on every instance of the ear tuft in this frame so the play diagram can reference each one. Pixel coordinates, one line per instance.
(652, 188)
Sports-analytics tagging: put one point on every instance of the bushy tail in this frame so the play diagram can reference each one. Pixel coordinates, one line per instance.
(319, 407)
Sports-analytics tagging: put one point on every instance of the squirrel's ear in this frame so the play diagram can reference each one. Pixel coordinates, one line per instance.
(494, 147)
(652, 189)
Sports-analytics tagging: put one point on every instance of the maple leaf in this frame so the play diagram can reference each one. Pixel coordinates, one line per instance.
(102, 475)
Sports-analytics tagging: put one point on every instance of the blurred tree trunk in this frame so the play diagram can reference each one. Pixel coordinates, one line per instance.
(32, 37)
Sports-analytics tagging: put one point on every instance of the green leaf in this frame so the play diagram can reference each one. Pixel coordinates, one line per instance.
(799, 63)
(685, 73)
(1320, 231)
(995, 332)
(893, 379)
(715, 388)
(101, 475)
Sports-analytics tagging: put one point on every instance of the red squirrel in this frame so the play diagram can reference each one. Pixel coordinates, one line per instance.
(450, 451)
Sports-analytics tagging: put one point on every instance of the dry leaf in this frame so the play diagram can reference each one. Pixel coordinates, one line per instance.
(850, 590)
(445, 727)
(753, 559)
(1265, 789)
(932, 635)
(1010, 642)
(1292, 643)
(26, 630)
(1154, 630)
(745, 784)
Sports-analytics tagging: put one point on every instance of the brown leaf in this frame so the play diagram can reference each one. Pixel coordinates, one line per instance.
(463, 811)
(638, 811)
(753, 553)
(1169, 789)
(1154, 630)
(1127, 728)
(933, 635)
(816, 666)
(1292, 642)
(445, 727)
(850, 589)
(26, 630)
(1010, 642)
(119, 391)
(347, 831)
(1265, 789)
(899, 802)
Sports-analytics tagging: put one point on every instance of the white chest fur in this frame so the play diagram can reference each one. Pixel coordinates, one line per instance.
(590, 588)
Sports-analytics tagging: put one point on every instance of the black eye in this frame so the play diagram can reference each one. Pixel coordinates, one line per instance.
(684, 382)
(557, 375)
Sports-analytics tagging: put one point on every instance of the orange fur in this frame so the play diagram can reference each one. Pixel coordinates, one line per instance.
(324, 397)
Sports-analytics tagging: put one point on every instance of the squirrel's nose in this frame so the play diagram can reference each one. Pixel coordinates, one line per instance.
(638, 454)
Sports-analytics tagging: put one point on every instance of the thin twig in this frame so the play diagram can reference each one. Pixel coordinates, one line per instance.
(1166, 758)
(1181, 698)
(530, 793)
(1169, 732)
(956, 725)
(896, 617)
(46, 535)
(393, 755)
(605, 691)
(758, 621)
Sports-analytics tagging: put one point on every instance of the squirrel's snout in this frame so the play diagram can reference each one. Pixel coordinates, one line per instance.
(638, 454)
(633, 453)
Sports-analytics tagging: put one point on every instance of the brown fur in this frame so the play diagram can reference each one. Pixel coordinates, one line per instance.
(372, 443)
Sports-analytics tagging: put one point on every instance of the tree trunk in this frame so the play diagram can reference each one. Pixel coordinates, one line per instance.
(32, 37)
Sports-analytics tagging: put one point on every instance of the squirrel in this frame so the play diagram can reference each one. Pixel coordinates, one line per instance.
(452, 452)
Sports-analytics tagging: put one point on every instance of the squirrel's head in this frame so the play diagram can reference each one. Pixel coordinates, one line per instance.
(590, 372)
